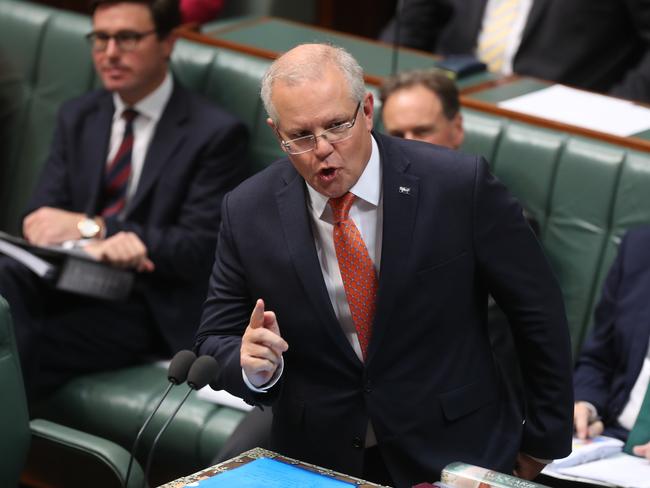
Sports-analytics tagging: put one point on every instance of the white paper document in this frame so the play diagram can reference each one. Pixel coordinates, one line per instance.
(586, 450)
(583, 109)
(621, 470)
(222, 397)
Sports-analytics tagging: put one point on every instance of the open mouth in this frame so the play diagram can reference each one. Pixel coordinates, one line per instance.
(327, 174)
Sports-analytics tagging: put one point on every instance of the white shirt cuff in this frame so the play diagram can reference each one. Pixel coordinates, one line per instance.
(269, 384)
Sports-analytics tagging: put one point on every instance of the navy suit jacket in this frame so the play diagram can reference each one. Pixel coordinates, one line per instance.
(429, 385)
(196, 155)
(612, 356)
(602, 45)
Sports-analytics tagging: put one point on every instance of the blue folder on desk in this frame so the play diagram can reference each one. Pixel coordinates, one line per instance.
(271, 474)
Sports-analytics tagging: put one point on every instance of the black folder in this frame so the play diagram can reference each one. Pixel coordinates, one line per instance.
(70, 270)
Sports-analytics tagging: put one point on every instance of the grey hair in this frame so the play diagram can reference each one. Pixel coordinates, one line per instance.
(311, 69)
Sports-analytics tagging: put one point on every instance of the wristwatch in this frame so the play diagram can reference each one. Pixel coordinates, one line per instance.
(88, 228)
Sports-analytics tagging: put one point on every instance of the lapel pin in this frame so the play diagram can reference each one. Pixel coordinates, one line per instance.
(406, 190)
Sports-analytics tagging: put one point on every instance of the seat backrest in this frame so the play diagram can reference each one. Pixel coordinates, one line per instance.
(45, 61)
(584, 193)
(14, 421)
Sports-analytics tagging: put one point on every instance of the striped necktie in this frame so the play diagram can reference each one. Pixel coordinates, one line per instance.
(640, 433)
(494, 37)
(118, 171)
(357, 270)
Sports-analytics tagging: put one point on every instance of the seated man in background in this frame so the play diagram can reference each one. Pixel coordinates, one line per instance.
(138, 169)
(613, 369)
(599, 45)
(423, 105)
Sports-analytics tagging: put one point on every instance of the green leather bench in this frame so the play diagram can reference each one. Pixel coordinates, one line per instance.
(584, 194)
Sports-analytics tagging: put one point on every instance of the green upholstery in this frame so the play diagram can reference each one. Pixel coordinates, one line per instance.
(584, 194)
(58, 456)
(44, 50)
(14, 421)
(114, 405)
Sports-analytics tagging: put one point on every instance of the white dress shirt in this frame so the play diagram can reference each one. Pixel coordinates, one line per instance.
(637, 394)
(367, 214)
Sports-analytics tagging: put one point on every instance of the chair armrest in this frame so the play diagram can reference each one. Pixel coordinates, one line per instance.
(66, 457)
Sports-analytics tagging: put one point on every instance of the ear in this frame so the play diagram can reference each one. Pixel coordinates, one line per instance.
(274, 128)
(368, 110)
(168, 44)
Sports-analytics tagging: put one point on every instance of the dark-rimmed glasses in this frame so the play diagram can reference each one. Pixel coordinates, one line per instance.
(333, 135)
(126, 40)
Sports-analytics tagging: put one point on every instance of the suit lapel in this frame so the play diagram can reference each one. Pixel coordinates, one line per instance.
(97, 132)
(474, 20)
(400, 201)
(169, 134)
(296, 225)
(535, 15)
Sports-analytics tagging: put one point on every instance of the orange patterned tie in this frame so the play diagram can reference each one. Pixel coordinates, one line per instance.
(357, 271)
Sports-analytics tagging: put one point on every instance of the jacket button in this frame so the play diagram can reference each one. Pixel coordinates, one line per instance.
(368, 387)
(356, 442)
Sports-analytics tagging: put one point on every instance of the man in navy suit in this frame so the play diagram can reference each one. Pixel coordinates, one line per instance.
(600, 45)
(613, 369)
(418, 388)
(183, 154)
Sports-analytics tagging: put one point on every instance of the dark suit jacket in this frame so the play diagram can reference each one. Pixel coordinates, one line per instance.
(601, 45)
(612, 356)
(429, 385)
(196, 155)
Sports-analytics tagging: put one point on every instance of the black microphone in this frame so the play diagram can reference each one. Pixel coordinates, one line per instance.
(176, 374)
(203, 371)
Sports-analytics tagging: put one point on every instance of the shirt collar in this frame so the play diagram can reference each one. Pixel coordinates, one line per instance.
(152, 105)
(367, 187)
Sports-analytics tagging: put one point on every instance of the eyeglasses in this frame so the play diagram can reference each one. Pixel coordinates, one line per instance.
(333, 135)
(126, 40)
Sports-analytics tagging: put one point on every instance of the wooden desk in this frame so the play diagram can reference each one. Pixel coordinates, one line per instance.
(268, 37)
(487, 95)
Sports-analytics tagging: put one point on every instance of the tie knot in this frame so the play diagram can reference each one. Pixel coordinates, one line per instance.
(129, 114)
(341, 206)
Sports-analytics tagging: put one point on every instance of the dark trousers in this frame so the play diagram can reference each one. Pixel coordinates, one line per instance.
(61, 335)
(374, 467)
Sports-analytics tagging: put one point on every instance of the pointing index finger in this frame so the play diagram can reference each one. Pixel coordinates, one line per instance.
(257, 316)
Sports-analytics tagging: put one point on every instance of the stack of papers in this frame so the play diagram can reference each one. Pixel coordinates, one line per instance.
(601, 461)
(583, 109)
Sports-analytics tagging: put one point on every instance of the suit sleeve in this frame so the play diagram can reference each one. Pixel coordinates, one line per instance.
(635, 83)
(520, 279)
(226, 313)
(52, 188)
(599, 358)
(184, 248)
(420, 23)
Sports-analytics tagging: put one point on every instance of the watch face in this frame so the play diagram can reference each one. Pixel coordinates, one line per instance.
(88, 228)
